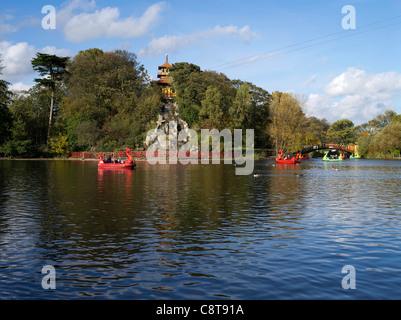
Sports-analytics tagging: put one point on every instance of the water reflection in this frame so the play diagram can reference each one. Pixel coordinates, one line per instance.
(199, 231)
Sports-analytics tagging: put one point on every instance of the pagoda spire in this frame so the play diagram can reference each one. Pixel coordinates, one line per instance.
(166, 57)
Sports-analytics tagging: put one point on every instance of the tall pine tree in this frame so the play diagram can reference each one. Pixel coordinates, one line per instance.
(5, 115)
(52, 69)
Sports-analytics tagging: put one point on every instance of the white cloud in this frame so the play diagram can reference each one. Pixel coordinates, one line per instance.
(16, 59)
(6, 27)
(312, 79)
(172, 43)
(105, 22)
(55, 51)
(19, 86)
(356, 95)
(69, 8)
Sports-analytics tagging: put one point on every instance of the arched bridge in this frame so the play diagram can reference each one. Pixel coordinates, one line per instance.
(328, 146)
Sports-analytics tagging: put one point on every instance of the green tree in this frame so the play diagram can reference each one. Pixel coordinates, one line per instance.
(316, 131)
(51, 68)
(87, 133)
(241, 110)
(287, 122)
(375, 125)
(105, 92)
(100, 84)
(59, 146)
(19, 143)
(396, 118)
(364, 142)
(28, 129)
(5, 115)
(388, 140)
(30, 108)
(211, 114)
(130, 128)
(341, 132)
(191, 85)
(186, 82)
(181, 73)
(257, 115)
(381, 121)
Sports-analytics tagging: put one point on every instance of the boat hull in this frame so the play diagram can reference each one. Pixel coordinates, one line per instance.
(128, 164)
(293, 160)
(333, 160)
(116, 165)
(290, 161)
(325, 158)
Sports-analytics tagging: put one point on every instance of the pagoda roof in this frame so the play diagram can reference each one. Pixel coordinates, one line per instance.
(166, 65)
(165, 80)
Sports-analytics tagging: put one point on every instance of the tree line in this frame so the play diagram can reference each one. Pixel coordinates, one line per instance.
(105, 101)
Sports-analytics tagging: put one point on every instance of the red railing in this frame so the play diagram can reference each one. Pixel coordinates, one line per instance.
(142, 154)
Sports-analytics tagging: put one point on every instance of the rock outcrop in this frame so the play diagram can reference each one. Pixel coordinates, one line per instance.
(170, 123)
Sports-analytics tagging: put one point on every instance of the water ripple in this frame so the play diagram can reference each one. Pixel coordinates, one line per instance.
(200, 232)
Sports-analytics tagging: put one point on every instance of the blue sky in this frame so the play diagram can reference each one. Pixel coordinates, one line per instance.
(354, 74)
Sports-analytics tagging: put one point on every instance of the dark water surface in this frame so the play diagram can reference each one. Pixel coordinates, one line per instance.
(200, 232)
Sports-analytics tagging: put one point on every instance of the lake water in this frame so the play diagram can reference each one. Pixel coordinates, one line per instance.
(200, 231)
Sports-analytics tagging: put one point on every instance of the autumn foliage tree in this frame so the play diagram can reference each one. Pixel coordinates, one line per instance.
(381, 136)
(208, 100)
(287, 122)
(341, 132)
(110, 100)
(104, 100)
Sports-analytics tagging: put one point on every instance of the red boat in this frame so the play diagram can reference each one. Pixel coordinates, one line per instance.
(127, 164)
(282, 160)
(304, 156)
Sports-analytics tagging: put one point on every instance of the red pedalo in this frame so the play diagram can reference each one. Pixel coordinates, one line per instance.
(285, 160)
(117, 164)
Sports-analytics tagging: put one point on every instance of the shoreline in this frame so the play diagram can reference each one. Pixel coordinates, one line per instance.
(57, 159)
(144, 159)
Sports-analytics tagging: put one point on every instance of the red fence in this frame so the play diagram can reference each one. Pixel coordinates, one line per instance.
(142, 154)
(93, 155)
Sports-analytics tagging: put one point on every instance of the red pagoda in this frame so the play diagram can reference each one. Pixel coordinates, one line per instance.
(165, 81)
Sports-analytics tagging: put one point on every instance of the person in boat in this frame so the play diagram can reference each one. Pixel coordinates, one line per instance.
(108, 160)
